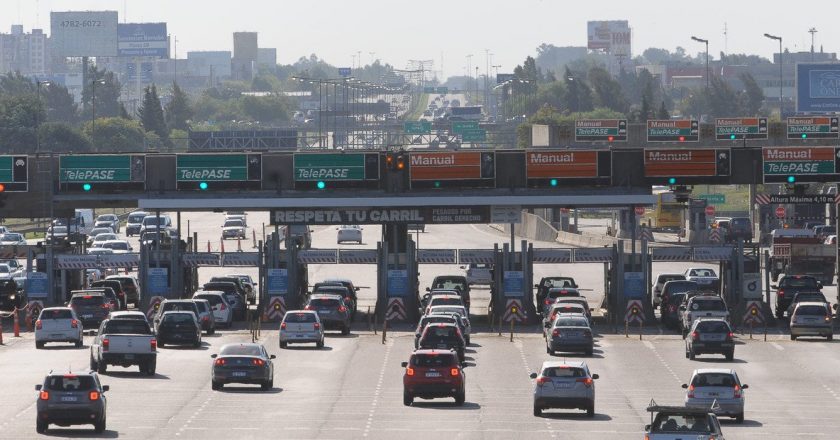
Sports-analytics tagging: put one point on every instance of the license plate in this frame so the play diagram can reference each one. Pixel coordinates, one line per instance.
(298, 336)
(56, 335)
(69, 399)
(239, 374)
(87, 316)
(129, 356)
(443, 346)
(713, 394)
(562, 385)
(432, 374)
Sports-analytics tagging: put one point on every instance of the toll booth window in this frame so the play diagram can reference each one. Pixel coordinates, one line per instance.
(300, 317)
(563, 372)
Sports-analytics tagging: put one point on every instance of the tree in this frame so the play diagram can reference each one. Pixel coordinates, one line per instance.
(121, 135)
(578, 95)
(266, 109)
(15, 84)
(61, 106)
(753, 96)
(178, 110)
(723, 101)
(61, 137)
(607, 91)
(151, 113)
(107, 93)
(644, 111)
(19, 115)
(663, 112)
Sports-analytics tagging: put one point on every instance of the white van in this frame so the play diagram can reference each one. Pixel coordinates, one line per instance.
(82, 221)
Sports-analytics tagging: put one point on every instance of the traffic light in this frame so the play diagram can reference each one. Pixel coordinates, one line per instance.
(2, 188)
(672, 181)
(2, 195)
(791, 179)
(552, 182)
(400, 162)
(732, 136)
(203, 186)
(804, 135)
(86, 187)
(321, 184)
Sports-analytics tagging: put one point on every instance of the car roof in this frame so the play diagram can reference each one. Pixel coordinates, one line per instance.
(302, 311)
(574, 364)
(705, 296)
(810, 303)
(174, 312)
(177, 301)
(326, 295)
(445, 296)
(127, 313)
(434, 351)
(338, 280)
(570, 289)
(713, 371)
(56, 308)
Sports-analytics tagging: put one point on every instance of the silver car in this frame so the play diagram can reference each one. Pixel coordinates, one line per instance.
(349, 233)
(811, 319)
(569, 333)
(716, 388)
(564, 385)
(301, 326)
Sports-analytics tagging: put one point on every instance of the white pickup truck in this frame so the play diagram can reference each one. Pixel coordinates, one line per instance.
(702, 306)
(124, 342)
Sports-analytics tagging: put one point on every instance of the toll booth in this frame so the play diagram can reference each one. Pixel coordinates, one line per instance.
(512, 295)
(397, 275)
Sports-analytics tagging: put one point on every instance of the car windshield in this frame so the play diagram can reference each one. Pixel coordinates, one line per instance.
(56, 314)
(713, 380)
(571, 322)
(439, 333)
(212, 299)
(127, 326)
(444, 309)
(11, 237)
(104, 237)
(449, 283)
(665, 278)
(708, 305)
(153, 221)
(136, 218)
(300, 317)
(811, 310)
(436, 319)
(59, 229)
(740, 222)
(432, 360)
(202, 306)
(808, 297)
(241, 350)
(564, 372)
(799, 282)
(445, 301)
(178, 306)
(233, 223)
(340, 290)
(70, 382)
(680, 423)
(713, 327)
(4, 268)
(560, 282)
(702, 273)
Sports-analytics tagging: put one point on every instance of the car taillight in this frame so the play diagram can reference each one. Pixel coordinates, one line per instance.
(347, 299)
(258, 362)
(409, 371)
(586, 381)
(737, 391)
(153, 344)
(106, 343)
(219, 362)
(691, 391)
(223, 307)
(282, 326)
(94, 395)
(205, 318)
(39, 325)
(309, 307)
(342, 309)
(828, 318)
(547, 302)
(542, 380)
(730, 335)
(45, 395)
(555, 333)
(74, 323)
(317, 326)
(781, 292)
(106, 306)
(454, 371)
(695, 335)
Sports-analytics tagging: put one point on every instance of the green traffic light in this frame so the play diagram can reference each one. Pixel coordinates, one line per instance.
(732, 137)
(437, 184)
(804, 135)
(86, 187)
(791, 179)
(321, 184)
(672, 181)
(553, 182)
(202, 185)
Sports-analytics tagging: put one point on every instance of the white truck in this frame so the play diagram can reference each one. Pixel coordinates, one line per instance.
(124, 342)
(799, 255)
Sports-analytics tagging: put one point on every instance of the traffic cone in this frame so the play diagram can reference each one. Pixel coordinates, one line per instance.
(223, 245)
(208, 245)
(17, 323)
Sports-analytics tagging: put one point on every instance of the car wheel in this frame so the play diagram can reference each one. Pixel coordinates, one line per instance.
(252, 301)
(161, 344)
(792, 337)
(780, 315)
(215, 386)
(460, 398)
(739, 418)
(78, 343)
(691, 354)
(41, 427)
(99, 427)
(468, 340)
(265, 386)
(345, 330)
(284, 344)
(212, 331)
(319, 344)
(589, 352)
(730, 355)
(197, 343)
(102, 367)
(150, 368)
(830, 337)
(537, 411)
(407, 399)
(39, 345)
(590, 411)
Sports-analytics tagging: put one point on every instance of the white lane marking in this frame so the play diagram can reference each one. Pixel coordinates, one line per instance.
(528, 371)
(378, 387)
(652, 348)
(777, 346)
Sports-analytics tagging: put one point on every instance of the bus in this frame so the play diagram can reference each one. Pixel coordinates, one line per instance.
(472, 113)
(668, 214)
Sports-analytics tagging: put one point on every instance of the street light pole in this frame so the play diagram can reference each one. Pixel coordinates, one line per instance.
(774, 37)
(38, 85)
(706, 42)
(93, 107)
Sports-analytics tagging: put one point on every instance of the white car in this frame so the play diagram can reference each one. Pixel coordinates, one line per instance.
(222, 309)
(58, 324)
(479, 273)
(6, 272)
(349, 233)
(233, 228)
(118, 246)
(237, 216)
(96, 232)
(12, 239)
(702, 276)
(100, 239)
(99, 251)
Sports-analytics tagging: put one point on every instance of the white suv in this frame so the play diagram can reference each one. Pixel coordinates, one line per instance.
(58, 324)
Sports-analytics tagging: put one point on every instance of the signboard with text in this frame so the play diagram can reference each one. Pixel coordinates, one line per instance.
(813, 127)
(14, 172)
(601, 130)
(727, 129)
(142, 40)
(89, 172)
(462, 169)
(417, 127)
(673, 130)
(218, 171)
(803, 164)
(83, 34)
(347, 170)
(550, 168)
(662, 165)
(368, 216)
(818, 87)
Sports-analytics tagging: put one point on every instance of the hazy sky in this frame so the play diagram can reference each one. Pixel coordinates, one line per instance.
(398, 30)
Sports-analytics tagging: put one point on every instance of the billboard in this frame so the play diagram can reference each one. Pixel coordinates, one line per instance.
(818, 88)
(83, 33)
(142, 40)
(610, 36)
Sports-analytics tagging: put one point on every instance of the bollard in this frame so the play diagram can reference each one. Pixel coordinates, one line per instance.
(641, 324)
(751, 329)
(208, 246)
(223, 245)
(384, 329)
(765, 332)
(254, 238)
(368, 319)
(512, 320)
(375, 323)
(626, 329)
(238, 245)
(499, 325)
(1, 331)
(17, 323)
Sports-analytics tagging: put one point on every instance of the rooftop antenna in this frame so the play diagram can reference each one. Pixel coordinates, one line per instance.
(725, 38)
(812, 31)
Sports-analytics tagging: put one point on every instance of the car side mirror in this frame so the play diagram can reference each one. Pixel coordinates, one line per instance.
(404, 364)
(682, 307)
(214, 356)
(685, 386)
(537, 286)
(38, 387)
(273, 356)
(819, 285)
(533, 375)
(744, 386)
(105, 388)
(834, 306)
(462, 267)
(647, 427)
(595, 376)
(547, 324)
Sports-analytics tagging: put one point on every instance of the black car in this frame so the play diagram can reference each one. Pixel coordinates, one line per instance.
(178, 328)
(332, 311)
(174, 305)
(91, 308)
(673, 294)
(740, 227)
(710, 336)
(10, 296)
(113, 299)
(242, 363)
(116, 286)
(352, 290)
(241, 288)
(71, 399)
(129, 286)
(789, 286)
(453, 282)
(444, 337)
(552, 282)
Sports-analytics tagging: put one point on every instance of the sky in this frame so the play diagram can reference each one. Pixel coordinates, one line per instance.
(447, 31)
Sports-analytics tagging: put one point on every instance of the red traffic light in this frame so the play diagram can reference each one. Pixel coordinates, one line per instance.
(2, 187)
(610, 138)
(682, 138)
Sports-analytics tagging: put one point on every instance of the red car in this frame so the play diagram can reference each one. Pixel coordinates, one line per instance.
(431, 374)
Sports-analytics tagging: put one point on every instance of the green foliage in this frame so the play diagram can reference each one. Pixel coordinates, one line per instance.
(663, 112)
(19, 115)
(60, 104)
(121, 135)
(266, 109)
(151, 113)
(61, 137)
(606, 90)
(753, 96)
(578, 95)
(15, 84)
(107, 94)
(178, 110)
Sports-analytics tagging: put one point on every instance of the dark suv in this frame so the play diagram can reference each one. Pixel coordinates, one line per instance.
(443, 336)
(178, 327)
(740, 227)
(174, 305)
(709, 336)
(433, 373)
(331, 310)
(91, 308)
(789, 286)
(71, 399)
(116, 286)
